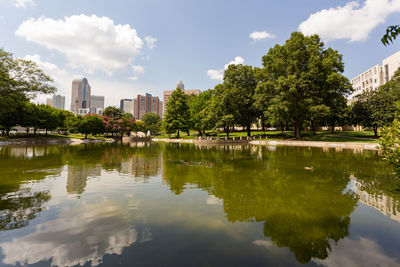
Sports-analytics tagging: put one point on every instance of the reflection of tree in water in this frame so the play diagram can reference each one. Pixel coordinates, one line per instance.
(304, 209)
(20, 165)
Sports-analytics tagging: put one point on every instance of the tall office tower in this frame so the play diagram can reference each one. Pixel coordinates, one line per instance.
(167, 94)
(144, 104)
(126, 105)
(97, 101)
(58, 102)
(80, 97)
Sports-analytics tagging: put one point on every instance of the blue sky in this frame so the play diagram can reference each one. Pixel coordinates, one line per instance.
(126, 48)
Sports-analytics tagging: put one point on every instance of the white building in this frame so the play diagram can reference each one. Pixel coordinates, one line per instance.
(376, 76)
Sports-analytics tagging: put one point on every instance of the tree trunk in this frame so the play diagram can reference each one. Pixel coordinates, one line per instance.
(333, 127)
(188, 133)
(46, 131)
(282, 127)
(227, 132)
(27, 131)
(178, 135)
(298, 128)
(86, 135)
(248, 130)
(34, 131)
(376, 131)
(200, 133)
(7, 131)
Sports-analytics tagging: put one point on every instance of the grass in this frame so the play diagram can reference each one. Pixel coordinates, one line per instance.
(325, 136)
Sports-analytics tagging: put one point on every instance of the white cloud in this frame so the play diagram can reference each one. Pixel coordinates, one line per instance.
(150, 42)
(24, 3)
(88, 42)
(137, 71)
(256, 36)
(360, 252)
(352, 21)
(219, 74)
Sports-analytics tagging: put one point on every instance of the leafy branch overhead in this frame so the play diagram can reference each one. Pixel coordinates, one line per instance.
(391, 34)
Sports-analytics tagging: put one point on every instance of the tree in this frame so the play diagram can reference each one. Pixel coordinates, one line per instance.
(72, 123)
(240, 85)
(152, 122)
(390, 143)
(112, 112)
(22, 77)
(177, 116)
(391, 34)
(304, 74)
(91, 124)
(196, 105)
(374, 109)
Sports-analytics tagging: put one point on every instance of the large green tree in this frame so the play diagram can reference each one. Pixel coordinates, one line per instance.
(91, 124)
(177, 116)
(304, 74)
(152, 122)
(197, 104)
(240, 85)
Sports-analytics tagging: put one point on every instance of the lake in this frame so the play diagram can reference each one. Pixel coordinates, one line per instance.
(149, 204)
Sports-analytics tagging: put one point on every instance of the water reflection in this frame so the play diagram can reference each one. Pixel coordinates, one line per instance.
(300, 197)
(79, 235)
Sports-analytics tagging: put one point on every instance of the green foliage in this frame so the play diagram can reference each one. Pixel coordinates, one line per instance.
(152, 122)
(177, 117)
(390, 142)
(391, 34)
(299, 75)
(197, 104)
(112, 112)
(91, 124)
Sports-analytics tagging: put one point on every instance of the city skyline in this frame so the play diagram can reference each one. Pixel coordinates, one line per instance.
(158, 51)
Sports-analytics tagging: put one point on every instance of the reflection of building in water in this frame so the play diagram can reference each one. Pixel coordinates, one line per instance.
(77, 177)
(141, 165)
(385, 204)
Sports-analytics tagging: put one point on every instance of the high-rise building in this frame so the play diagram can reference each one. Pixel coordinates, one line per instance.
(80, 97)
(126, 105)
(57, 101)
(167, 94)
(376, 76)
(97, 101)
(145, 104)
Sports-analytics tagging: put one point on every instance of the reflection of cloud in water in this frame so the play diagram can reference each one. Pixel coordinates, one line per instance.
(76, 237)
(213, 200)
(264, 243)
(361, 252)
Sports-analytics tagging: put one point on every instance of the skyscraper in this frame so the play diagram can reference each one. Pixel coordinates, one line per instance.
(57, 101)
(80, 97)
(146, 103)
(126, 105)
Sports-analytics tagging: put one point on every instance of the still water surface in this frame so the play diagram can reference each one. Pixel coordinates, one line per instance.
(185, 205)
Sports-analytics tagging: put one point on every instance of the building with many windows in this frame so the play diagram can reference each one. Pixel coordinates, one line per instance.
(126, 105)
(167, 94)
(376, 76)
(57, 101)
(143, 104)
(97, 101)
(80, 95)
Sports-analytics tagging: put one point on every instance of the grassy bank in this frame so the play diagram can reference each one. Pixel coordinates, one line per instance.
(325, 136)
(52, 135)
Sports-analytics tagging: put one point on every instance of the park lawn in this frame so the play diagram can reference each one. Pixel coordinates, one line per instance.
(53, 135)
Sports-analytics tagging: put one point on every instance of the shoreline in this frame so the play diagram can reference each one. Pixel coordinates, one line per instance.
(50, 141)
(321, 144)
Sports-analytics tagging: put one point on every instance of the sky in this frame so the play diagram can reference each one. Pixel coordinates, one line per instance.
(130, 47)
